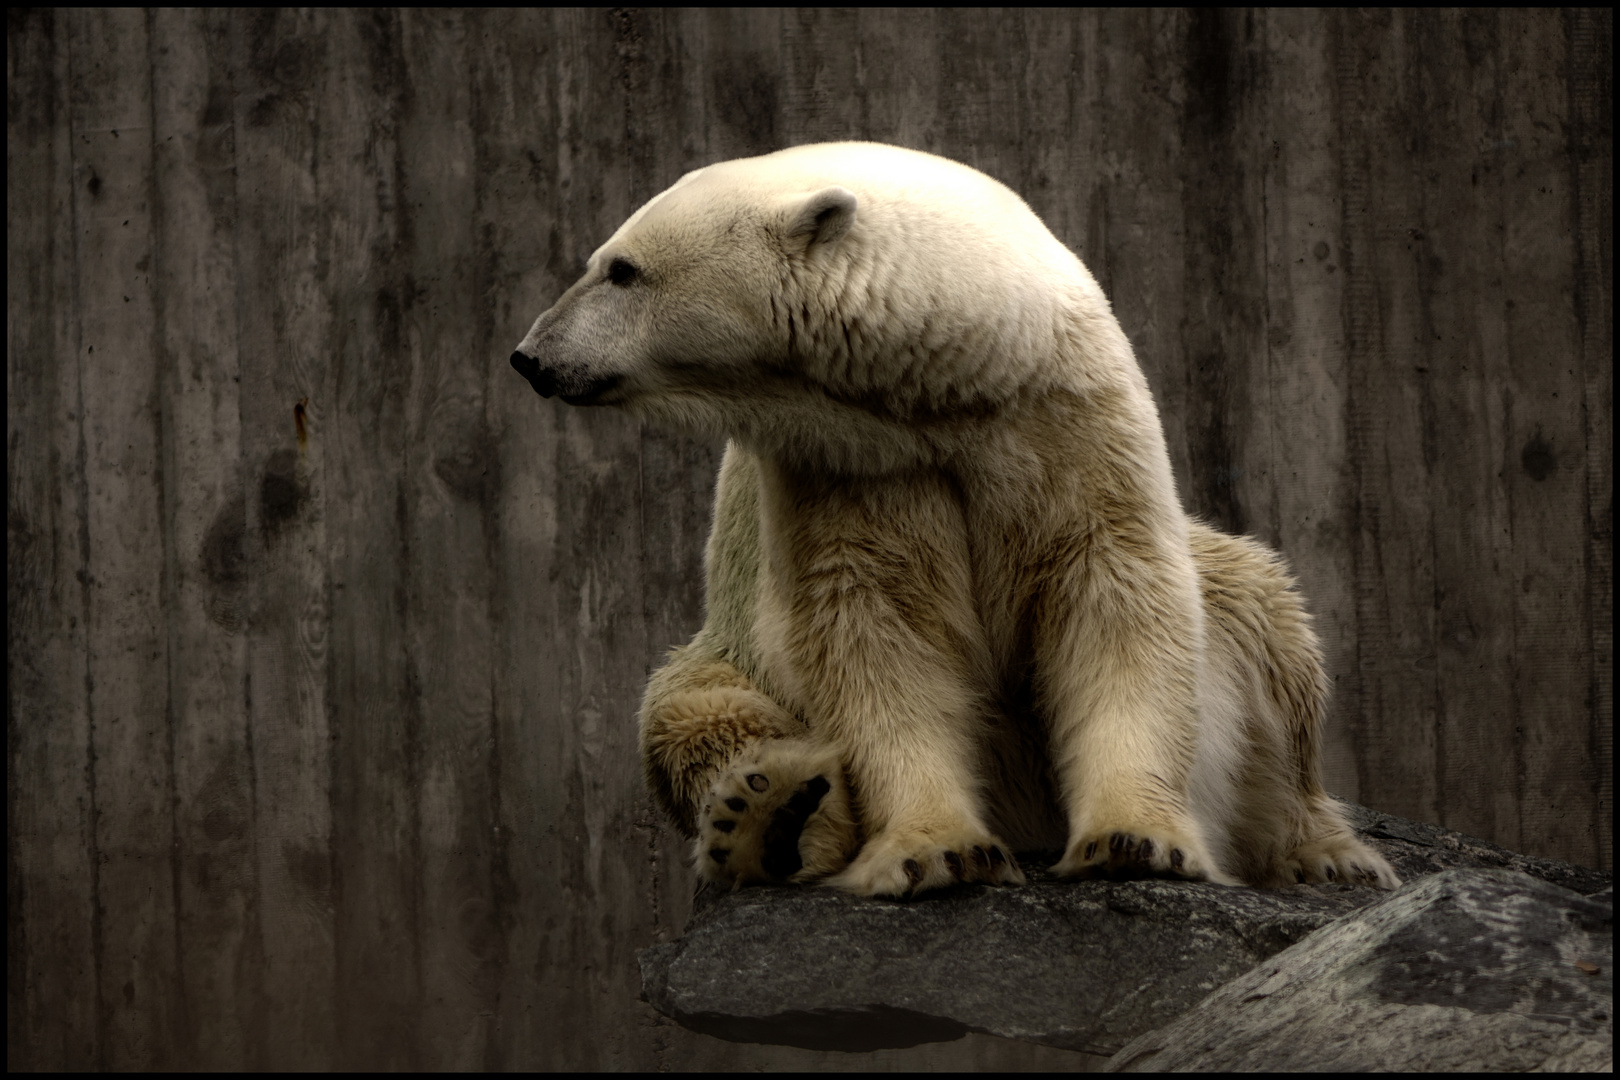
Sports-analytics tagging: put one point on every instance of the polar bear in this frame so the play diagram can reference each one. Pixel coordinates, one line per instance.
(955, 608)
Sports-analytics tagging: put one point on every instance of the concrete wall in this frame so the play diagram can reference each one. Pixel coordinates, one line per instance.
(326, 634)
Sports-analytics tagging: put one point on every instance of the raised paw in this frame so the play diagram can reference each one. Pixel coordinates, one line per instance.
(907, 862)
(1124, 853)
(1341, 858)
(779, 813)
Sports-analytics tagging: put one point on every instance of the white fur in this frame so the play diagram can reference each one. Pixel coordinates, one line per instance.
(947, 550)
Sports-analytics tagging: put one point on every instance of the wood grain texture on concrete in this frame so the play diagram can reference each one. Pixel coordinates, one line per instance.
(326, 636)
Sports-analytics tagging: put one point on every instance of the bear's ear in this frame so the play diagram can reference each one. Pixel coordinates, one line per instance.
(819, 218)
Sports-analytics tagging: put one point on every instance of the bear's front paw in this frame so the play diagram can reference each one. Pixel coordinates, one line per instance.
(779, 813)
(906, 862)
(1138, 852)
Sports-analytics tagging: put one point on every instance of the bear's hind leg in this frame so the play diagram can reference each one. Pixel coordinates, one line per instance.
(1288, 829)
(780, 812)
(1333, 852)
(732, 768)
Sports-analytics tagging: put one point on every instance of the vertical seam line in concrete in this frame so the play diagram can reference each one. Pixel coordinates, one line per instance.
(168, 586)
(492, 1057)
(76, 322)
(256, 1046)
(414, 719)
(1577, 31)
(341, 1007)
(1499, 233)
(1425, 305)
(1266, 171)
(1344, 75)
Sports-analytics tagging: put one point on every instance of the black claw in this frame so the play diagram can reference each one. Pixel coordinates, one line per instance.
(1177, 858)
(981, 859)
(913, 871)
(725, 825)
(1118, 842)
(1091, 849)
(736, 803)
(997, 857)
(1299, 876)
(1332, 874)
(719, 854)
(1145, 852)
(954, 861)
(758, 782)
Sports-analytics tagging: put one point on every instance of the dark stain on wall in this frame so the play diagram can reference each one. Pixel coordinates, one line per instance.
(1537, 458)
(222, 556)
(282, 492)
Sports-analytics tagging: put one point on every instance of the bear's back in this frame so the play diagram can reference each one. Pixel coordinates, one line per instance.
(910, 190)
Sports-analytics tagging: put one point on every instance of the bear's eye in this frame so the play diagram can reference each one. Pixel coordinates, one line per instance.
(621, 271)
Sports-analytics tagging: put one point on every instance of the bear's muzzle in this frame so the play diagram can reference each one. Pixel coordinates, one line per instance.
(575, 391)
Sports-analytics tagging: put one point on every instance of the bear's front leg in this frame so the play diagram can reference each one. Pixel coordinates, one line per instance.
(866, 617)
(1121, 636)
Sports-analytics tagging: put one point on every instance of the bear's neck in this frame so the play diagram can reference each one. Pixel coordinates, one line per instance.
(1012, 459)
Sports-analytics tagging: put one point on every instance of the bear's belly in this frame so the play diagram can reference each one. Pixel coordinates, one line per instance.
(1020, 793)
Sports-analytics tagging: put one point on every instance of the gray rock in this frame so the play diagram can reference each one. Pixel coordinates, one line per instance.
(1466, 970)
(1083, 966)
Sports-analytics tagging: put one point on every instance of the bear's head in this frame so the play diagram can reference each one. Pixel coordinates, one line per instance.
(838, 303)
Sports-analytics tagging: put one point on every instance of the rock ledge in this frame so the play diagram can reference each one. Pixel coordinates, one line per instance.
(1084, 966)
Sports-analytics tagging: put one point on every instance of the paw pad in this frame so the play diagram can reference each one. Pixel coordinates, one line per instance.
(782, 857)
(754, 831)
(779, 813)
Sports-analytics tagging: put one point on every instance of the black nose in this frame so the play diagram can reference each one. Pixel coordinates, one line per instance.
(529, 368)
